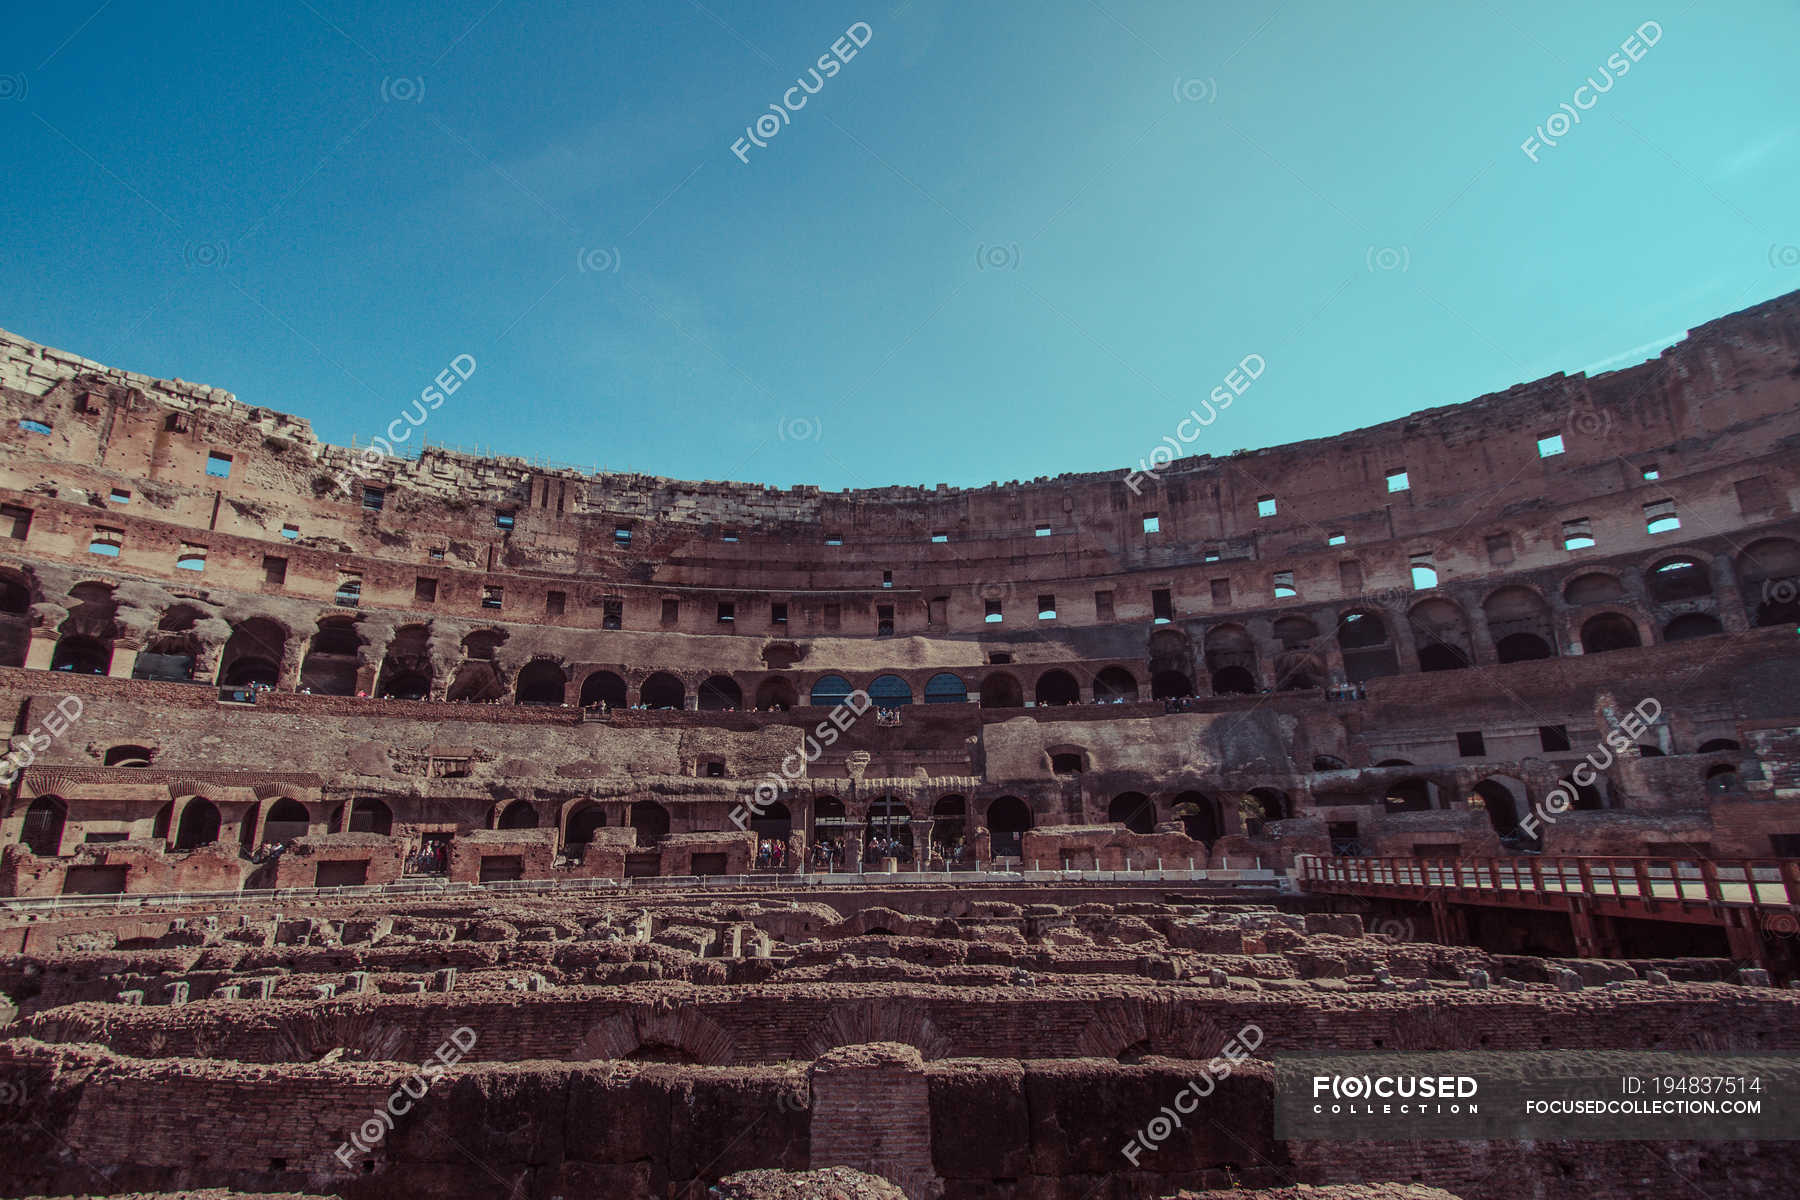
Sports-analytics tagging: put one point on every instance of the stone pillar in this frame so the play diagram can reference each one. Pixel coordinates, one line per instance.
(922, 842)
(42, 649)
(1481, 639)
(124, 659)
(871, 1110)
(1731, 601)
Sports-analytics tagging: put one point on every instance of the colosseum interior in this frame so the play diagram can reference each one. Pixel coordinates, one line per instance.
(708, 839)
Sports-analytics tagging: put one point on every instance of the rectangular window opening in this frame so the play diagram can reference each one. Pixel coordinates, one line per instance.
(1397, 480)
(1284, 585)
(1265, 506)
(374, 499)
(1043, 531)
(777, 613)
(1046, 608)
(555, 603)
(492, 596)
(1162, 606)
(1335, 539)
(991, 613)
(1659, 517)
(218, 465)
(424, 590)
(671, 611)
(727, 612)
(1152, 523)
(1577, 534)
(612, 612)
(1550, 445)
(1553, 737)
(15, 520)
(274, 570)
(1471, 744)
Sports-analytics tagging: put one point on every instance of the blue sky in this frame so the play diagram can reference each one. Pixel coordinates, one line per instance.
(1002, 241)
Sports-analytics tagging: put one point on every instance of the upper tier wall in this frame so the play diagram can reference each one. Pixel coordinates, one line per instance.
(1714, 417)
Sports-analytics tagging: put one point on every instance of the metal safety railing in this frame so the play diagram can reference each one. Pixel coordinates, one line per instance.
(1744, 882)
(437, 886)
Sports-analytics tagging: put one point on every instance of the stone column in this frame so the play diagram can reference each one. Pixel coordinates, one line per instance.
(42, 649)
(1731, 601)
(124, 659)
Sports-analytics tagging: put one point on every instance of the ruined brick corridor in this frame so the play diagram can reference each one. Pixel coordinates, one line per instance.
(671, 783)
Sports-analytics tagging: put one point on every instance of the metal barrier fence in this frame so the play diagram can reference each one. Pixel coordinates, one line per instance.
(415, 887)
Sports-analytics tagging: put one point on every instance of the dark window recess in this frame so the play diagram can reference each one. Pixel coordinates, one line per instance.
(612, 613)
(833, 615)
(1471, 744)
(503, 521)
(622, 534)
(274, 569)
(555, 603)
(937, 611)
(1785, 845)
(1103, 606)
(1162, 607)
(999, 659)
(671, 611)
(992, 614)
(1350, 577)
(1499, 549)
(727, 612)
(424, 590)
(15, 521)
(884, 620)
(777, 613)
(1221, 592)
(1553, 737)
(492, 597)
(374, 499)
(715, 770)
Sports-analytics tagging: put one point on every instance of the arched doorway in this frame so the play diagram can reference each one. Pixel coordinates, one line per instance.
(1692, 625)
(1001, 690)
(603, 689)
(889, 832)
(1057, 687)
(719, 693)
(43, 830)
(542, 682)
(370, 814)
(1007, 820)
(406, 667)
(1134, 810)
(286, 820)
(1115, 685)
(1198, 814)
(81, 655)
(1609, 631)
(775, 821)
(1769, 580)
(828, 691)
(946, 688)
(1501, 804)
(1367, 646)
(828, 820)
(332, 658)
(651, 820)
(519, 814)
(199, 824)
(1518, 620)
(949, 823)
(889, 691)
(663, 690)
(584, 819)
(1170, 685)
(776, 695)
(1412, 795)
(1233, 681)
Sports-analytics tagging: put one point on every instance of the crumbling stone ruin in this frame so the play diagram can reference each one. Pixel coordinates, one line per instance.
(765, 842)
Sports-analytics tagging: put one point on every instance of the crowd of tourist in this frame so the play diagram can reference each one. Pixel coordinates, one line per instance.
(433, 858)
(771, 854)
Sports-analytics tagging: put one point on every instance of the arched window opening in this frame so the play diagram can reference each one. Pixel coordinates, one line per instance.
(1679, 579)
(1170, 685)
(1198, 815)
(370, 814)
(1606, 632)
(43, 830)
(199, 824)
(889, 691)
(603, 689)
(127, 756)
(517, 815)
(1007, 820)
(1115, 685)
(719, 693)
(1001, 690)
(1134, 810)
(651, 820)
(1233, 681)
(584, 821)
(1056, 688)
(663, 690)
(945, 688)
(1692, 625)
(542, 682)
(778, 695)
(828, 691)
